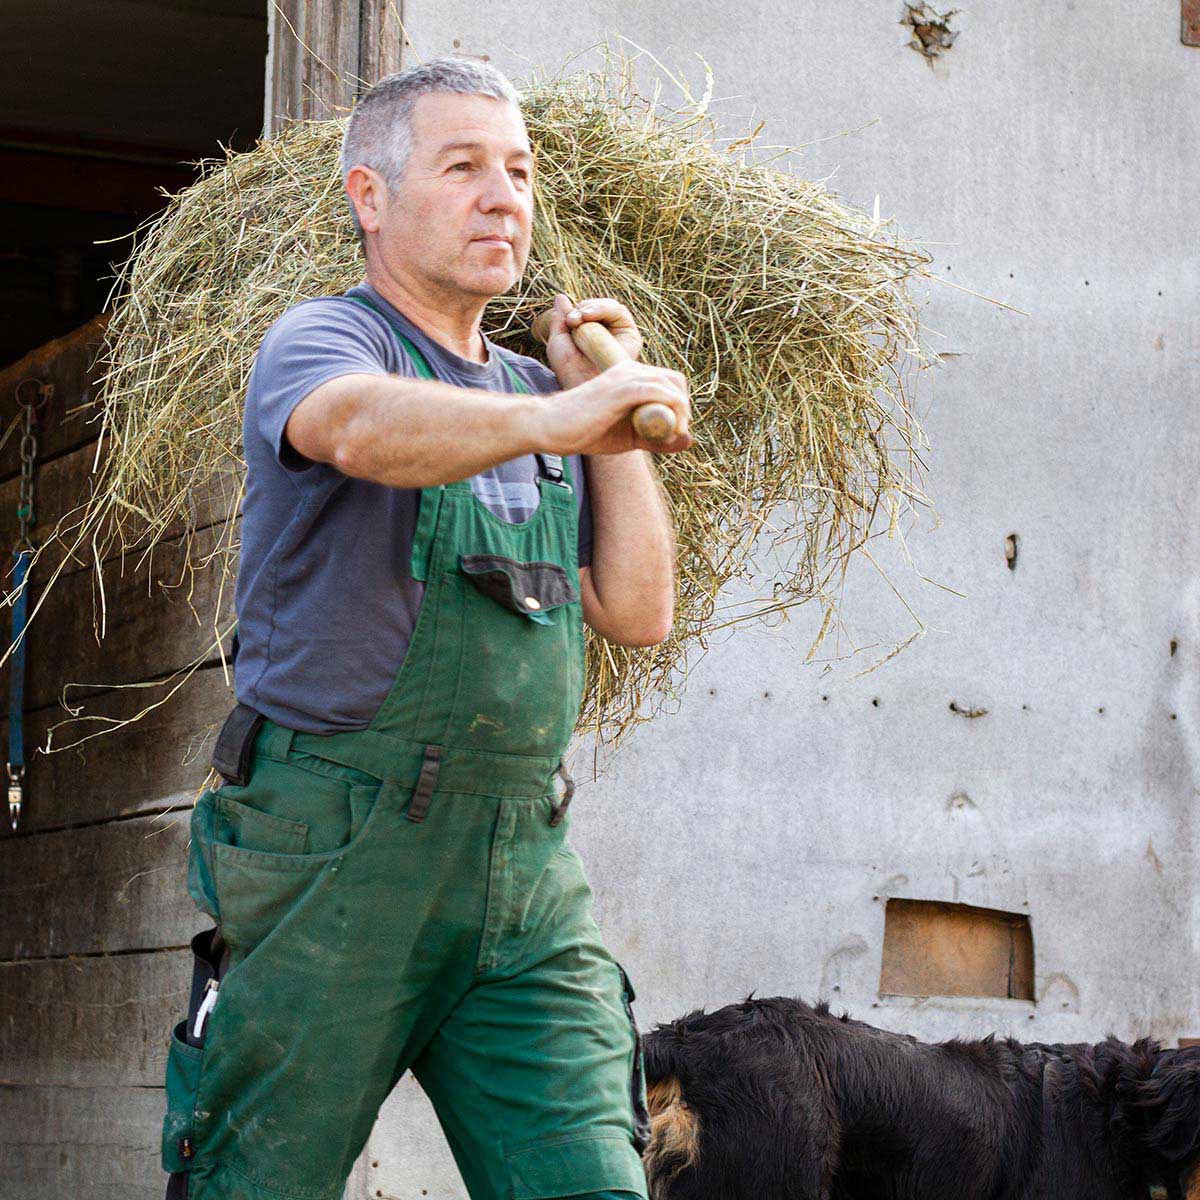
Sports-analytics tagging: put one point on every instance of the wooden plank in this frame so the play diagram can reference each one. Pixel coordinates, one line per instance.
(117, 886)
(63, 484)
(70, 363)
(91, 1022)
(379, 52)
(101, 1143)
(95, 771)
(323, 55)
(66, 470)
(152, 635)
(155, 621)
(329, 73)
(312, 61)
(1189, 20)
(932, 948)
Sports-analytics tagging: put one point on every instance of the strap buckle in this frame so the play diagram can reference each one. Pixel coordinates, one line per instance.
(16, 785)
(418, 806)
(551, 468)
(559, 809)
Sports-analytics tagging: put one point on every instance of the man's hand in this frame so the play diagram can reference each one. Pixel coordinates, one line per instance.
(569, 363)
(596, 416)
(592, 415)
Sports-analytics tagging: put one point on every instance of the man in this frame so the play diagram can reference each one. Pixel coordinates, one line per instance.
(428, 519)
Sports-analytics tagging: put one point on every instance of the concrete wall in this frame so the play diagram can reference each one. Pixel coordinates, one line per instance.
(749, 839)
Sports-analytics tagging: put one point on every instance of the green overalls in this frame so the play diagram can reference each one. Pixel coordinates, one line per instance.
(405, 897)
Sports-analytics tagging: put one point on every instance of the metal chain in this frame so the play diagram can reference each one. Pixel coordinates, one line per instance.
(25, 511)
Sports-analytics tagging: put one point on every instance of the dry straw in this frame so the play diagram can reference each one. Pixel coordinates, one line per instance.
(787, 309)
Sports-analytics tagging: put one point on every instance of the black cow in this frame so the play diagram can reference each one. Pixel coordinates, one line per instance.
(772, 1099)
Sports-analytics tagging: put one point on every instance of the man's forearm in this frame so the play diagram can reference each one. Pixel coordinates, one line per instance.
(633, 549)
(407, 432)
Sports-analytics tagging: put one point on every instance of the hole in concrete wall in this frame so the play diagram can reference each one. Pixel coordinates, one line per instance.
(1010, 551)
(932, 34)
(933, 948)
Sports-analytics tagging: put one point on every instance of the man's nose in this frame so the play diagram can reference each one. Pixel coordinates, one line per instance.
(500, 191)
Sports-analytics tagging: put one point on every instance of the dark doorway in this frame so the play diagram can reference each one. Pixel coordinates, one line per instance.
(102, 105)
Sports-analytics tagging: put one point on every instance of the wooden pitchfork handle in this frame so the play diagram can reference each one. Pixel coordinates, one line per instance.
(651, 422)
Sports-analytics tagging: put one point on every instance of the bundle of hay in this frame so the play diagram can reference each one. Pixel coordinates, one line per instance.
(786, 309)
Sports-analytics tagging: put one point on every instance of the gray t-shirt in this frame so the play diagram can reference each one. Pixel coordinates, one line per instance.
(325, 600)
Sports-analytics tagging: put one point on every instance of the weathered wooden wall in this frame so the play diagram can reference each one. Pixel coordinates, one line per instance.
(94, 958)
(324, 54)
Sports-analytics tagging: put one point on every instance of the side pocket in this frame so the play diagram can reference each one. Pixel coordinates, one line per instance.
(637, 1073)
(201, 883)
(185, 1055)
(183, 1078)
(239, 824)
(260, 888)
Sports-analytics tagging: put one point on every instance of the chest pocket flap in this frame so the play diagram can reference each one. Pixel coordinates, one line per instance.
(531, 589)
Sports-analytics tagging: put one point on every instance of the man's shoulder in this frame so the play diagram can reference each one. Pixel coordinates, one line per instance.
(340, 312)
(323, 328)
(313, 340)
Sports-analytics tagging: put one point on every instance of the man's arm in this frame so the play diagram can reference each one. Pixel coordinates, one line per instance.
(628, 592)
(407, 432)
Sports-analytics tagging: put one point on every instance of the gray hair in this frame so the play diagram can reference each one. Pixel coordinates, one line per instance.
(379, 132)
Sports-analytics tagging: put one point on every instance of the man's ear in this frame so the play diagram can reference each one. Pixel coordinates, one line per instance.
(368, 194)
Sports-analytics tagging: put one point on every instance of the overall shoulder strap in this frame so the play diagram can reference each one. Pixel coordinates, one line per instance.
(423, 367)
(550, 465)
(431, 497)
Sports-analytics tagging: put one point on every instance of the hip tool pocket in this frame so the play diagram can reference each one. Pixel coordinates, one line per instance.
(185, 1054)
(637, 1072)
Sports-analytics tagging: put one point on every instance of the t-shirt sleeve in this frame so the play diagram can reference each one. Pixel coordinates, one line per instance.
(311, 343)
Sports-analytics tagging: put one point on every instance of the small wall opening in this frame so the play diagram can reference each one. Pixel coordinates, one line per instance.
(933, 948)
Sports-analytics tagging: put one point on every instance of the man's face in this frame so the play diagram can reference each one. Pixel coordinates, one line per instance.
(470, 175)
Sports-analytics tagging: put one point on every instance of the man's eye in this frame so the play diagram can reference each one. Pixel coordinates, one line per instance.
(521, 171)
(460, 164)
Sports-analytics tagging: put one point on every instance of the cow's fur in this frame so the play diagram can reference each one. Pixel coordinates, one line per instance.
(772, 1099)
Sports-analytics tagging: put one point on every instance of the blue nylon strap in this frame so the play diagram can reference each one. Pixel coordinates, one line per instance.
(16, 678)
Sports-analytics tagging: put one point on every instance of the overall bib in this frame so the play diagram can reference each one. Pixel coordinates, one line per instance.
(405, 897)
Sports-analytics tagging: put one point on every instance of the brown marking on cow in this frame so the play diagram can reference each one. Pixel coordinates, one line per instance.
(674, 1134)
(1193, 1185)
